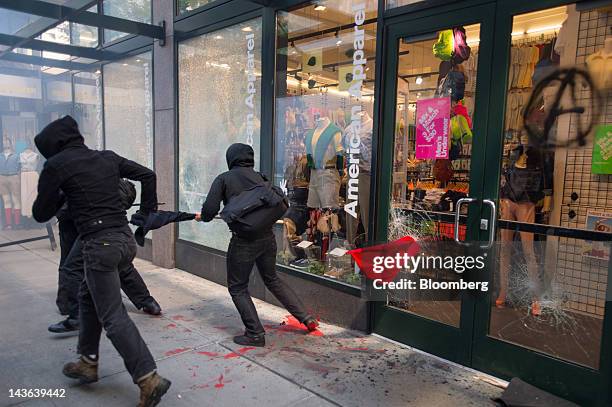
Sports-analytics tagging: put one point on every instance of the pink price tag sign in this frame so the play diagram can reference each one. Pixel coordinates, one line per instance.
(432, 128)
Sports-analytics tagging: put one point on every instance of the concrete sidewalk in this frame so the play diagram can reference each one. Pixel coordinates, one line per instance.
(193, 348)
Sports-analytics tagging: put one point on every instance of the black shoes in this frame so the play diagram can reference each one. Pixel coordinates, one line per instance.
(151, 307)
(67, 325)
(247, 340)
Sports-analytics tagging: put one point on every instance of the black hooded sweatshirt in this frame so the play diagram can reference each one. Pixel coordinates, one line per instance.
(89, 180)
(240, 177)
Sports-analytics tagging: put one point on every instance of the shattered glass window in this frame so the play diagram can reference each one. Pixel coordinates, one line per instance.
(219, 83)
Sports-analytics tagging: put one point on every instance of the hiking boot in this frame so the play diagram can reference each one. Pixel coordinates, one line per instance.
(67, 325)
(152, 389)
(247, 340)
(311, 323)
(151, 307)
(84, 370)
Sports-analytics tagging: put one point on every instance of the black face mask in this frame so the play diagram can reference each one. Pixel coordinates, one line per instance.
(312, 61)
(349, 77)
(311, 83)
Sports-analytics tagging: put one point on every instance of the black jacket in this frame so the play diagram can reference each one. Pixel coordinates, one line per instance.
(89, 179)
(241, 176)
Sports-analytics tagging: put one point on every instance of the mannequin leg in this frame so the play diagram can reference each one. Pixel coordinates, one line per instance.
(15, 190)
(525, 212)
(507, 236)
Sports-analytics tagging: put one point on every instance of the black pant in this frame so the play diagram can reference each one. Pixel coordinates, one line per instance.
(68, 234)
(108, 259)
(242, 254)
(72, 271)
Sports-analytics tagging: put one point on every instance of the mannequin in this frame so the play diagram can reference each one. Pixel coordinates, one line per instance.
(29, 179)
(325, 156)
(9, 185)
(527, 181)
(364, 180)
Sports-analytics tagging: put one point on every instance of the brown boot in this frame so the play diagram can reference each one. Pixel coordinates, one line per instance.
(84, 369)
(152, 388)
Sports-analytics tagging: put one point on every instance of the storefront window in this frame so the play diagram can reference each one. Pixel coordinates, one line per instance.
(88, 107)
(128, 113)
(185, 6)
(128, 110)
(325, 63)
(398, 3)
(556, 166)
(135, 10)
(219, 81)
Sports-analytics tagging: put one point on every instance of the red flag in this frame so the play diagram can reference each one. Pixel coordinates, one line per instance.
(367, 256)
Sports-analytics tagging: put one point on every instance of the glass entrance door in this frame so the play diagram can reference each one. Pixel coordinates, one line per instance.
(435, 114)
(522, 177)
(545, 319)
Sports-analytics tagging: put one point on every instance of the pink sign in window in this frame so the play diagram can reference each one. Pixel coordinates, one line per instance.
(432, 128)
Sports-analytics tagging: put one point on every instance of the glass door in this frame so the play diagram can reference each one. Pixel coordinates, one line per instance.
(545, 320)
(434, 120)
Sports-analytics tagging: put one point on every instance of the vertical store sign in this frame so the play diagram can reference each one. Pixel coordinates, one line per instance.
(432, 128)
(251, 78)
(355, 89)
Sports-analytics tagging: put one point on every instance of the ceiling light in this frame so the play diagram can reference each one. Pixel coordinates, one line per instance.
(138, 60)
(517, 33)
(338, 42)
(541, 29)
(98, 72)
(320, 8)
(124, 64)
(247, 29)
(218, 37)
(419, 80)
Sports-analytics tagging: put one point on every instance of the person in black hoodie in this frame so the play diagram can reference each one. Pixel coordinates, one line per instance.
(245, 251)
(89, 180)
(71, 269)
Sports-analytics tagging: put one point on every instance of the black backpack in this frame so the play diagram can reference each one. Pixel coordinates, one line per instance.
(256, 209)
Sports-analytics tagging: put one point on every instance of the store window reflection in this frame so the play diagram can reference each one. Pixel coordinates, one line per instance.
(88, 107)
(556, 173)
(135, 10)
(185, 6)
(128, 110)
(219, 81)
(324, 108)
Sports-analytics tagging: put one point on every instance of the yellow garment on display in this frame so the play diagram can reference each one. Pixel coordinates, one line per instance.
(460, 129)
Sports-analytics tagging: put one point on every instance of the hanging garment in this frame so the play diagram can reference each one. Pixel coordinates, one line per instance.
(600, 68)
(461, 51)
(444, 47)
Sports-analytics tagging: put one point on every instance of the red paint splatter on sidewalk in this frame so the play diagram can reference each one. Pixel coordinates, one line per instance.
(246, 349)
(175, 351)
(209, 354)
(170, 326)
(220, 383)
(231, 355)
(293, 325)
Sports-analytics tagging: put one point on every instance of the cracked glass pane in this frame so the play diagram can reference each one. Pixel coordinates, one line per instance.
(219, 83)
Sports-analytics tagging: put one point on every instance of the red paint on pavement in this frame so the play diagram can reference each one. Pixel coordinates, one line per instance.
(209, 354)
(220, 383)
(170, 326)
(175, 351)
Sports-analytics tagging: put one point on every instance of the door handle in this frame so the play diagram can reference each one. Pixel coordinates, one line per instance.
(491, 223)
(457, 215)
